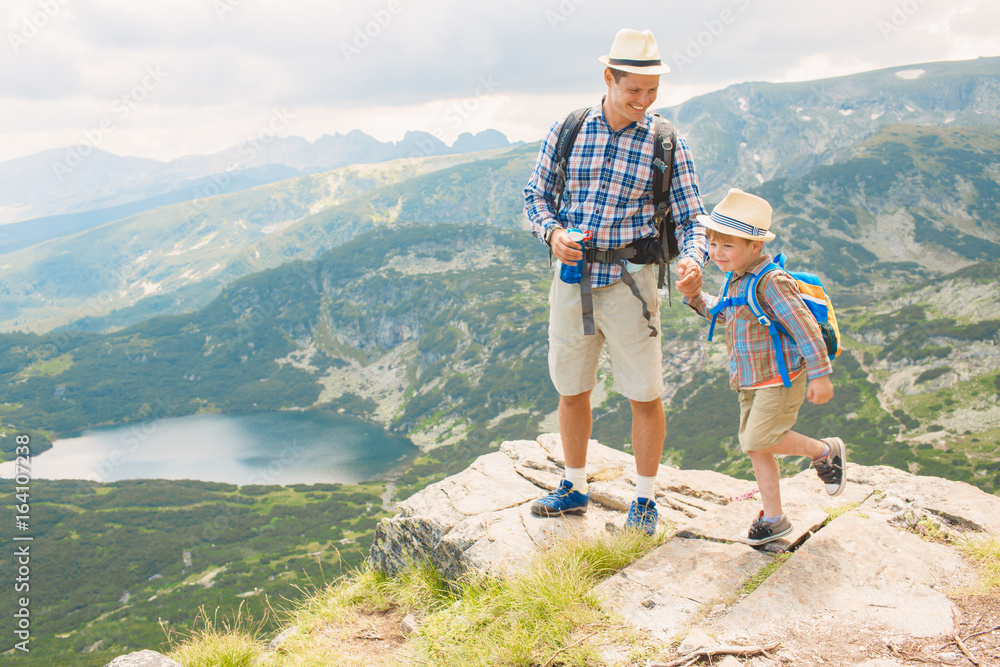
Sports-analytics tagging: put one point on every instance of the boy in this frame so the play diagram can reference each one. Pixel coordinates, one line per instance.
(737, 229)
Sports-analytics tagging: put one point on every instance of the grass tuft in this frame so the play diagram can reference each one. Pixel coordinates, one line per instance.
(984, 551)
(214, 642)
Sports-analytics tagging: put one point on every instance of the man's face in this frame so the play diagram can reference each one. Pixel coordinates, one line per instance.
(630, 97)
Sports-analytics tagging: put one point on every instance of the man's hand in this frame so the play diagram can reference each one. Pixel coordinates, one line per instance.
(690, 277)
(564, 248)
(820, 390)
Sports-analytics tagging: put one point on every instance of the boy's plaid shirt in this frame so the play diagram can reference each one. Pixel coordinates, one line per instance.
(752, 357)
(609, 190)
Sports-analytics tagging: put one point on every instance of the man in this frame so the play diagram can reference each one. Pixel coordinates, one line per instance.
(608, 193)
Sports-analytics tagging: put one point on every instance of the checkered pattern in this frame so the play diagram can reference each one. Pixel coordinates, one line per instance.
(609, 190)
(752, 358)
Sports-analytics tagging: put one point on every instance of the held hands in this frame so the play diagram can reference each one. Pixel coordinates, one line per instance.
(690, 278)
(820, 390)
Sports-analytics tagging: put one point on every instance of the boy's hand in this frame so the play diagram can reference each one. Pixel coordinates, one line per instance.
(820, 390)
(690, 277)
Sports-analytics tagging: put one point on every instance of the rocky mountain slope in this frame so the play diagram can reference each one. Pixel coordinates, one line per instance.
(872, 577)
(750, 133)
(85, 178)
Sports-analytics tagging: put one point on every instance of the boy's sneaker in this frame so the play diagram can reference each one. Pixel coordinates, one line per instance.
(831, 468)
(762, 532)
(642, 515)
(563, 500)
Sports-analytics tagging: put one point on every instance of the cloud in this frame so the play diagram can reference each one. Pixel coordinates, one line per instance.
(382, 64)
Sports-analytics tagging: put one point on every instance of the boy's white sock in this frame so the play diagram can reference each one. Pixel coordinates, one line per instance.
(578, 478)
(825, 453)
(645, 487)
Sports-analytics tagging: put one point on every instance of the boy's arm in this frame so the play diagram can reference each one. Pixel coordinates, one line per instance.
(702, 303)
(781, 296)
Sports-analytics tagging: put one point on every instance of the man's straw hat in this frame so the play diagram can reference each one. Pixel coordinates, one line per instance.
(635, 52)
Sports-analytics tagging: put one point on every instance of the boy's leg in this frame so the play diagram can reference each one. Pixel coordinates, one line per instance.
(796, 444)
(765, 469)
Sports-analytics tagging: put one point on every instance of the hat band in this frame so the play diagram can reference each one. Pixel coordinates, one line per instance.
(635, 63)
(736, 224)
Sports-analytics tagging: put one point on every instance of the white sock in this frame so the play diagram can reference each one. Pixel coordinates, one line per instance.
(578, 478)
(825, 453)
(645, 487)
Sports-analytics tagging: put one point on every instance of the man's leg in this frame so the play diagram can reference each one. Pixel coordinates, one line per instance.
(649, 429)
(574, 428)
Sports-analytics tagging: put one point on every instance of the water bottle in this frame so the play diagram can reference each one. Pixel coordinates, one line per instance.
(570, 273)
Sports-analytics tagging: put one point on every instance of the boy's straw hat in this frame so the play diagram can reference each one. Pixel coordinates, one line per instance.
(635, 52)
(741, 214)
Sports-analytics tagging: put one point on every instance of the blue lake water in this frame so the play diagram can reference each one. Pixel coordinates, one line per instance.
(266, 448)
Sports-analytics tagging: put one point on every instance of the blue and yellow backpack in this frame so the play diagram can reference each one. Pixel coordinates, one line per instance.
(813, 294)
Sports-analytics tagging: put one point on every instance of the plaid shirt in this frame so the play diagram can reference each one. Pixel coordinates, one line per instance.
(609, 190)
(752, 358)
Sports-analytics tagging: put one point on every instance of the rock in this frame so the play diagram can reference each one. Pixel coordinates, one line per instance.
(145, 658)
(663, 591)
(695, 640)
(803, 500)
(957, 504)
(860, 572)
(948, 658)
(480, 519)
(283, 636)
(410, 624)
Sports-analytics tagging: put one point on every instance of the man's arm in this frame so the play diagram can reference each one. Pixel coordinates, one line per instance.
(685, 204)
(539, 194)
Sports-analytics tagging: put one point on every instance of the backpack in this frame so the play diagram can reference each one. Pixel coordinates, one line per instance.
(813, 294)
(665, 142)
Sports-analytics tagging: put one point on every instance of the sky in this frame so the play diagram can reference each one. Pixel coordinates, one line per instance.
(165, 78)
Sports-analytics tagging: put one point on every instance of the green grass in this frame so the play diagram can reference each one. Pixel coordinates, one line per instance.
(215, 642)
(984, 551)
(754, 581)
(522, 619)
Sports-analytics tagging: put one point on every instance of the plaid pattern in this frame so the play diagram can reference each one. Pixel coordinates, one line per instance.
(609, 190)
(752, 358)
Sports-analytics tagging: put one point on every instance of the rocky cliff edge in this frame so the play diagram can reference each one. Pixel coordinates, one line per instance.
(860, 569)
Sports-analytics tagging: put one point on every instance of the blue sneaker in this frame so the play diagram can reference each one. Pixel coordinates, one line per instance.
(564, 500)
(642, 515)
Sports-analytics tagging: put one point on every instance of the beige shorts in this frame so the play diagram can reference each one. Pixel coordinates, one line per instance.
(767, 414)
(636, 358)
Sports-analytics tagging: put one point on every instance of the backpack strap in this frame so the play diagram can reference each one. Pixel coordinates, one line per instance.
(774, 328)
(723, 303)
(664, 148)
(564, 145)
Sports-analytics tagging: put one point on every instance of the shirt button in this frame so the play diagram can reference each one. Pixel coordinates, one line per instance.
(608, 160)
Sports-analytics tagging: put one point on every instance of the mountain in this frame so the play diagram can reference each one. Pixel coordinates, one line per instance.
(754, 132)
(83, 178)
(176, 258)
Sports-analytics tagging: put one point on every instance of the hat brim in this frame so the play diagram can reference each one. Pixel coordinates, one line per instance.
(652, 69)
(708, 222)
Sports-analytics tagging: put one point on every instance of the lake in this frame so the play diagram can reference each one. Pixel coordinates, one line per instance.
(265, 448)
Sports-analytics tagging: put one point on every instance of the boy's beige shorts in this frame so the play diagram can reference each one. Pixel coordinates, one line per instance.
(767, 414)
(636, 358)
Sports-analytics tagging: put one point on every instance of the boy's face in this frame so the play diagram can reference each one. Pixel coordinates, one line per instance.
(734, 254)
